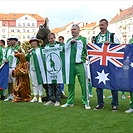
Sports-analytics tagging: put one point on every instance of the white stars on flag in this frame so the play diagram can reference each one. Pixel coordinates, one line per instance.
(131, 64)
(102, 77)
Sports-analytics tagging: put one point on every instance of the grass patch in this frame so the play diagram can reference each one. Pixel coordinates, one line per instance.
(37, 118)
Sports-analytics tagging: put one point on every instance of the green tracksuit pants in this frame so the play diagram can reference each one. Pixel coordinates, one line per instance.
(80, 72)
(131, 103)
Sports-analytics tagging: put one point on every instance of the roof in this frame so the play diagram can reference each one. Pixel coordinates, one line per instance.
(14, 16)
(57, 30)
(68, 24)
(90, 26)
(123, 15)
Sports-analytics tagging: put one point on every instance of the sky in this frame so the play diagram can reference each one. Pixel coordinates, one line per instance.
(62, 12)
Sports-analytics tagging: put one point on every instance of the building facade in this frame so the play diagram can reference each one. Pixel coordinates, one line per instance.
(22, 26)
(122, 25)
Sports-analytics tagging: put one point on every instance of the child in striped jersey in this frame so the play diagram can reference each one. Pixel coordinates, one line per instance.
(37, 72)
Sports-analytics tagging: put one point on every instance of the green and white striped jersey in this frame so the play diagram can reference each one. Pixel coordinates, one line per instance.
(74, 53)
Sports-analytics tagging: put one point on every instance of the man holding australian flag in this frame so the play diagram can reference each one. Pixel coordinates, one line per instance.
(111, 66)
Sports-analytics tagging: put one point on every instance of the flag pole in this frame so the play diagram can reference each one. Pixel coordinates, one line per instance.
(87, 91)
(2, 65)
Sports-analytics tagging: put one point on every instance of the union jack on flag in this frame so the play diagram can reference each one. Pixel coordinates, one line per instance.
(111, 66)
(106, 53)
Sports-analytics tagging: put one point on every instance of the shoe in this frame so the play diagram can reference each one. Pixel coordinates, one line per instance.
(90, 95)
(40, 100)
(103, 96)
(130, 110)
(34, 100)
(123, 97)
(57, 103)
(2, 97)
(67, 105)
(128, 96)
(87, 106)
(98, 107)
(11, 97)
(109, 97)
(114, 108)
(49, 103)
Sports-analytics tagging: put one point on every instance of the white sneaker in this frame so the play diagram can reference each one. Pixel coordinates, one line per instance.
(130, 110)
(40, 100)
(48, 103)
(57, 103)
(87, 106)
(90, 95)
(11, 97)
(103, 96)
(34, 100)
(67, 105)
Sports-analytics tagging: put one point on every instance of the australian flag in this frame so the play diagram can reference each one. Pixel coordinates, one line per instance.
(4, 71)
(111, 66)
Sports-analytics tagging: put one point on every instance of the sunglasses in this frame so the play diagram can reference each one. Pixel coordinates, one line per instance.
(75, 25)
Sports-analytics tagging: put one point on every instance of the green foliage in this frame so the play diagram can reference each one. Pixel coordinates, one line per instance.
(26, 45)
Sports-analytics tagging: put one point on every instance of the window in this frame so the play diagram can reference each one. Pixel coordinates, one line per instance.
(33, 24)
(19, 24)
(33, 30)
(3, 36)
(28, 30)
(23, 24)
(26, 18)
(23, 30)
(128, 28)
(4, 24)
(121, 23)
(12, 30)
(131, 21)
(93, 32)
(28, 24)
(3, 30)
(18, 30)
(12, 24)
(28, 36)
(23, 36)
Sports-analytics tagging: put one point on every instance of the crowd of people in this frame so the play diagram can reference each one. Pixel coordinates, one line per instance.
(76, 47)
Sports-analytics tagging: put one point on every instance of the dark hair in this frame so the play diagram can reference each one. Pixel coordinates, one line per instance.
(61, 37)
(93, 39)
(19, 43)
(2, 41)
(104, 20)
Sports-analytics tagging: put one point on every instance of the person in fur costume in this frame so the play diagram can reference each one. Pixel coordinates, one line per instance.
(22, 92)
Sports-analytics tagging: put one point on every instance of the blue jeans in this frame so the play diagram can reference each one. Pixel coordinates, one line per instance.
(62, 87)
(100, 97)
(54, 89)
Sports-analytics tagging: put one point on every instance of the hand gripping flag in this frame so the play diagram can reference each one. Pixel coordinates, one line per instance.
(4, 70)
(111, 66)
